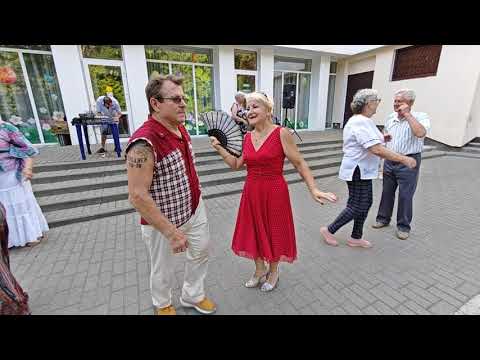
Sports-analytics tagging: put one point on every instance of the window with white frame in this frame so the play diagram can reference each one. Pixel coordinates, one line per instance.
(246, 70)
(331, 94)
(196, 67)
(30, 96)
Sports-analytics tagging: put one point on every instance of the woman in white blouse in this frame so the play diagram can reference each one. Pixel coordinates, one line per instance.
(362, 150)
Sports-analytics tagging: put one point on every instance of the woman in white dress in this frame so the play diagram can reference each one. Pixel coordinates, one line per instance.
(25, 219)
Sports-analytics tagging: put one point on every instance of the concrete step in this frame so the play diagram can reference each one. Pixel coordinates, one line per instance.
(291, 178)
(82, 198)
(470, 149)
(432, 154)
(301, 145)
(239, 176)
(106, 204)
(58, 176)
(84, 184)
(90, 211)
(71, 197)
(116, 168)
(62, 166)
(320, 142)
(98, 189)
(307, 149)
(463, 154)
(200, 155)
(315, 164)
(87, 213)
(95, 182)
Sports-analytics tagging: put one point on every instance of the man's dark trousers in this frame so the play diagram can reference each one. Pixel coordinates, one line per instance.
(395, 175)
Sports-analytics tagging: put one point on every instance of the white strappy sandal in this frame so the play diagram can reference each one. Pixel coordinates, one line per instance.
(266, 287)
(255, 281)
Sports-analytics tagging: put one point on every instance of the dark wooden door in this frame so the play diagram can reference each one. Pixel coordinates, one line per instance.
(355, 83)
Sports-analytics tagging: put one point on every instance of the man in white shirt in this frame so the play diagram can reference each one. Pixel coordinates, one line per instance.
(407, 130)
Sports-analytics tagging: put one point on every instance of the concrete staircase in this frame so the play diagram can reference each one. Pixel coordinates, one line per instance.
(472, 147)
(72, 192)
(470, 150)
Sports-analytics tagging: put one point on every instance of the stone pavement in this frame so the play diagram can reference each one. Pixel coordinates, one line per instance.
(470, 308)
(101, 267)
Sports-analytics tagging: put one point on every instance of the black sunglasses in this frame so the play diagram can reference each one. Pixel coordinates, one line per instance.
(176, 99)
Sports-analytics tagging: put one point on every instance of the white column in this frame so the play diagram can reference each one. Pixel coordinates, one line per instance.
(319, 93)
(266, 71)
(226, 77)
(216, 78)
(340, 92)
(68, 66)
(137, 78)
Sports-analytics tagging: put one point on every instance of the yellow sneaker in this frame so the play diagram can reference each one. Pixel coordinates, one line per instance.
(168, 310)
(206, 306)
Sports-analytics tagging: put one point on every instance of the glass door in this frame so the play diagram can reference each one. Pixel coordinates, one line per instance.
(277, 95)
(109, 76)
(291, 114)
(298, 116)
(303, 101)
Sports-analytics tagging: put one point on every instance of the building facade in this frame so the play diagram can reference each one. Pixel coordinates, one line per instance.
(43, 84)
(446, 79)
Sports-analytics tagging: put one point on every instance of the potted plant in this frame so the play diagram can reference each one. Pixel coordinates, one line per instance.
(60, 128)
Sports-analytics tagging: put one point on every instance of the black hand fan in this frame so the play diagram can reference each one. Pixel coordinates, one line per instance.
(221, 126)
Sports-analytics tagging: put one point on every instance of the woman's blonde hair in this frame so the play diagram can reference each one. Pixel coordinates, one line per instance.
(262, 98)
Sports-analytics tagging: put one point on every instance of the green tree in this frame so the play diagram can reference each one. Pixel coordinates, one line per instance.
(113, 52)
(204, 83)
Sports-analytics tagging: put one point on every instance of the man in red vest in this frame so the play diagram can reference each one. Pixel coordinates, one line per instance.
(164, 188)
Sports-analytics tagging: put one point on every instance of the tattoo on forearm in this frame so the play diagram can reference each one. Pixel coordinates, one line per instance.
(138, 155)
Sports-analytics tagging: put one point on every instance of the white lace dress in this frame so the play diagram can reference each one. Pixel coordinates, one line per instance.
(25, 219)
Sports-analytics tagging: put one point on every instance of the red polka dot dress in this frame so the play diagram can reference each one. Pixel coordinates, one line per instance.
(264, 227)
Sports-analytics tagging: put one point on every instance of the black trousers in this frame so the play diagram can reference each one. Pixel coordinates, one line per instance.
(360, 198)
(398, 175)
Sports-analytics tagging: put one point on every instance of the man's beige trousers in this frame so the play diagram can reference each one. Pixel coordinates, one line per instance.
(161, 259)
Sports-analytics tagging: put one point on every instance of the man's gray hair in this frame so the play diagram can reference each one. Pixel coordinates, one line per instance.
(407, 94)
(362, 98)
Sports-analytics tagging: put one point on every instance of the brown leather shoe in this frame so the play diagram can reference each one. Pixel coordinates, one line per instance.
(168, 310)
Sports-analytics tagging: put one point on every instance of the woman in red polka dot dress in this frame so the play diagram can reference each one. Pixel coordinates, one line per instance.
(264, 231)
